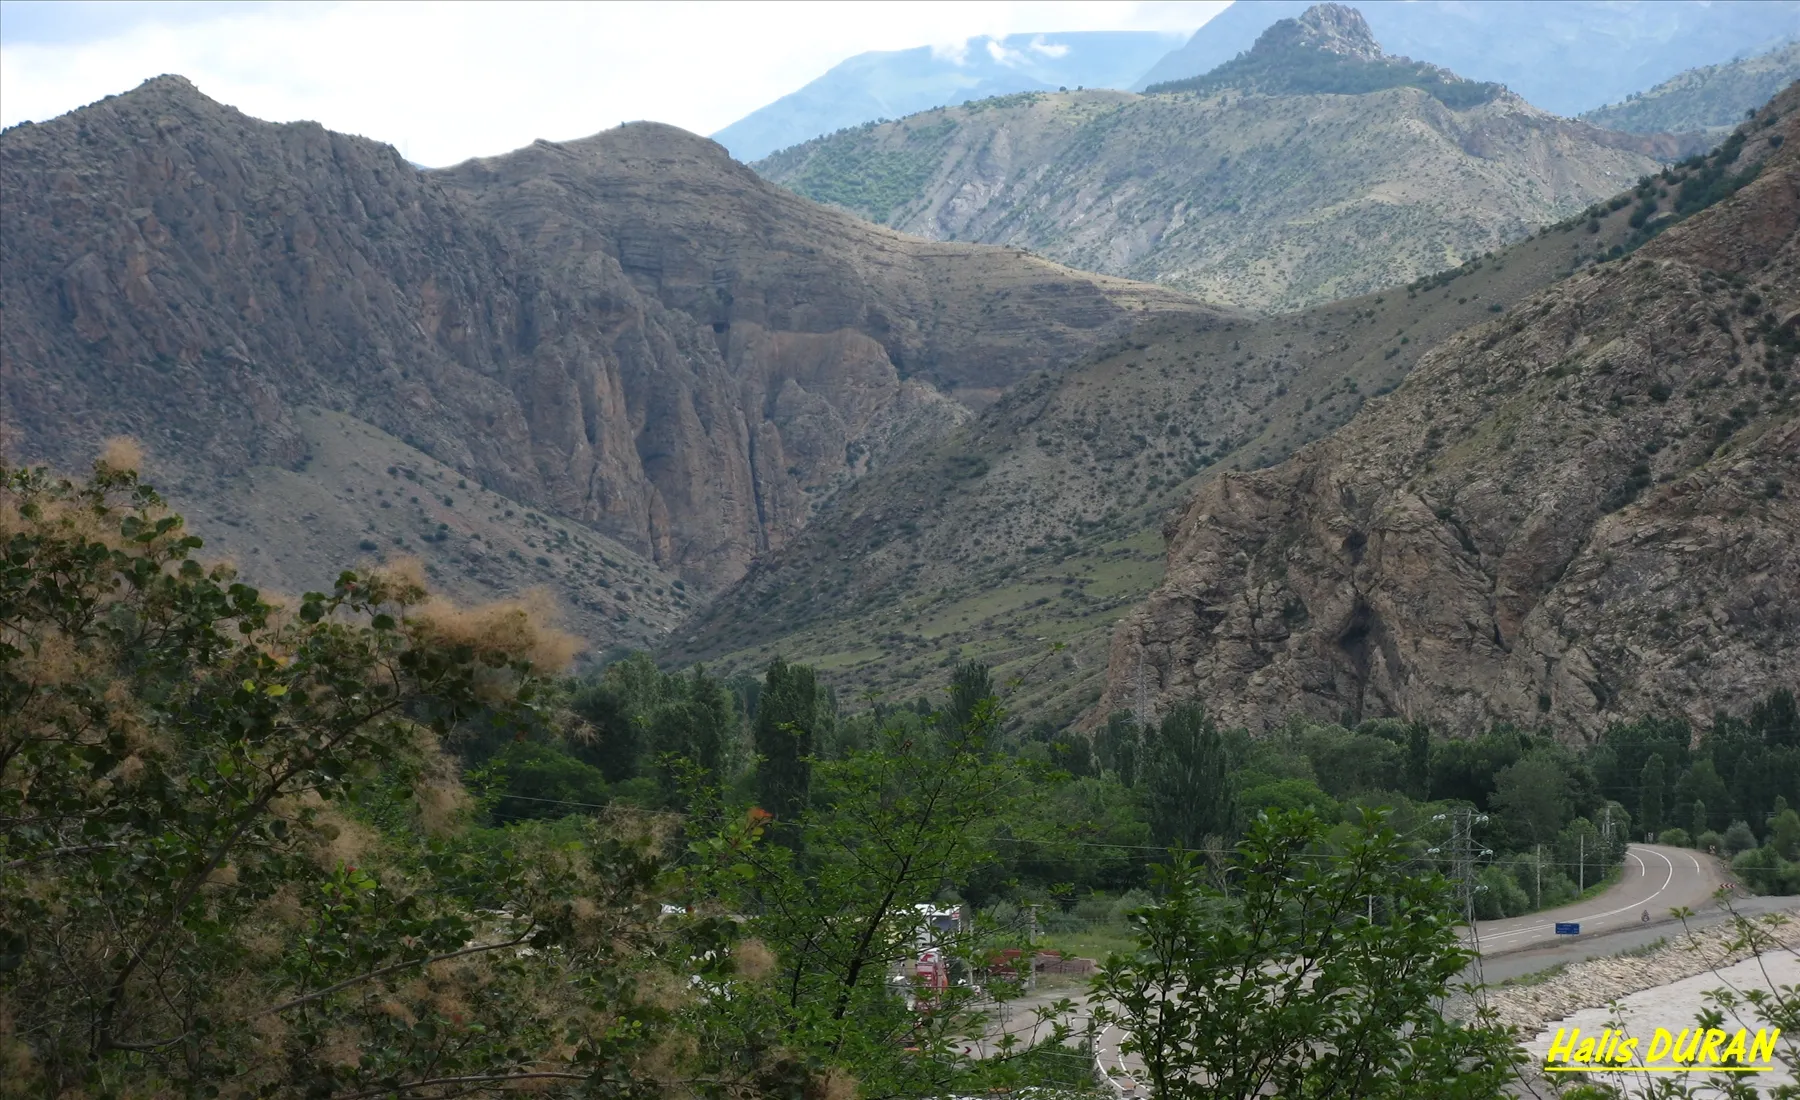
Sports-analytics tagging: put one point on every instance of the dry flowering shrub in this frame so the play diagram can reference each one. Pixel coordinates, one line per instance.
(234, 861)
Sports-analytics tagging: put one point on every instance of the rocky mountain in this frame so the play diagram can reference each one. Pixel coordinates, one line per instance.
(653, 357)
(1713, 98)
(1314, 168)
(1023, 536)
(1586, 507)
(886, 84)
(1565, 56)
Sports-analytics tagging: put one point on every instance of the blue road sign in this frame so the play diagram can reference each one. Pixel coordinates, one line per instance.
(1563, 929)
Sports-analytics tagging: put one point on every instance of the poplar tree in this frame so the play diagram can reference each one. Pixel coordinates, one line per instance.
(786, 720)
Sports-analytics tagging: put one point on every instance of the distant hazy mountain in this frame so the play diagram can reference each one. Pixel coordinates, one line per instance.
(1713, 98)
(1314, 167)
(1565, 56)
(893, 83)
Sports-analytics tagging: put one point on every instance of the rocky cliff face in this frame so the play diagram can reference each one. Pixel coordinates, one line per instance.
(630, 331)
(1584, 509)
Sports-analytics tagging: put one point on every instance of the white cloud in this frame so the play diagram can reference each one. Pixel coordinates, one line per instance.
(1048, 49)
(957, 53)
(1002, 55)
(452, 80)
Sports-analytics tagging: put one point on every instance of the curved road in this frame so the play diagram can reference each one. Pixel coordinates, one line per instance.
(1657, 878)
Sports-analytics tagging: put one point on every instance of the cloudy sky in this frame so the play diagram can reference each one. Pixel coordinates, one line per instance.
(448, 81)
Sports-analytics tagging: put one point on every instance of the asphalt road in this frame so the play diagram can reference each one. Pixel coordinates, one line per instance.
(1657, 879)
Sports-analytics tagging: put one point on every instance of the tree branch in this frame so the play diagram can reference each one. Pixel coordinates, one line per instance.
(57, 852)
(373, 974)
(477, 1079)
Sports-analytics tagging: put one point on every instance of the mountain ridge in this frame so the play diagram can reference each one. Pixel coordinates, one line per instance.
(673, 390)
(1712, 99)
(892, 83)
(1260, 201)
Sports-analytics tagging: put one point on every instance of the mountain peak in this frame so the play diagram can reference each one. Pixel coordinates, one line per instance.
(1331, 28)
(1329, 50)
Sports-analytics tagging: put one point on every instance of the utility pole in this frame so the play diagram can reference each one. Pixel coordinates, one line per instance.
(1537, 877)
(1581, 860)
(1031, 955)
(1463, 856)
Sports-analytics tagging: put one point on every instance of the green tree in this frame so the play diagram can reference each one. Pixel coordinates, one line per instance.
(541, 780)
(1189, 795)
(692, 730)
(1534, 796)
(1739, 838)
(786, 718)
(1286, 794)
(1784, 834)
(1626, 747)
(970, 686)
(1118, 745)
(232, 854)
(1651, 782)
(1776, 720)
(849, 909)
(1418, 760)
(1072, 752)
(1701, 783)
(1697, 818)
(1284, 988)
(612, 738)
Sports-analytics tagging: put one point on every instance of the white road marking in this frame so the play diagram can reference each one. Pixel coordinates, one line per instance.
(1645, 903)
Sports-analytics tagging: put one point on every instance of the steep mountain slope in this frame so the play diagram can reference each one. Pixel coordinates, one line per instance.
(1566, 56)
(890, 83)
(1266, 201)
(1021, 538)
(631, 335)
(1713, 98)
(1587, 507)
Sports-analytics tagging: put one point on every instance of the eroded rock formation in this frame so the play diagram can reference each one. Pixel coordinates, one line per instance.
(1587, 508)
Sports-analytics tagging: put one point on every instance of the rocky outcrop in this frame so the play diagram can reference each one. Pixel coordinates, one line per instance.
(1586, 509)
(630, 331)
(1331, 28)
